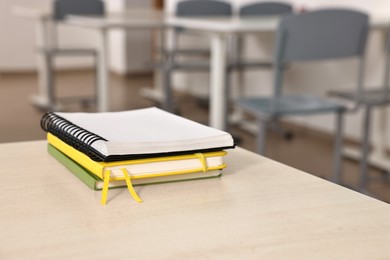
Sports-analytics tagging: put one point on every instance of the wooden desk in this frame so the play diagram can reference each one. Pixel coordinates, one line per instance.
(259, 209)
(129, 20)
(219, 30)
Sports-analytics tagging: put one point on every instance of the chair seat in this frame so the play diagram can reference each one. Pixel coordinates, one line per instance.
(70, 51)
(368, 97)
(205, 65)
(242, 64)
(188, 52)
(191, 65)
(289, 105)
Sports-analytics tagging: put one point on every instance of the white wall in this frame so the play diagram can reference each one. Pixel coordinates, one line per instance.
(17, 43)
(18, 48)
(310, 77)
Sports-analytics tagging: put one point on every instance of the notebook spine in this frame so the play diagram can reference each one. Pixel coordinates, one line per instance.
(73, 135)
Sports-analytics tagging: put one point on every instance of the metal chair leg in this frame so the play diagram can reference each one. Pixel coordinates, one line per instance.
(338, 143)
(363, 174)
(261, 136)
(50, 80)
(167, 88)
(95, 96)
(227, 96)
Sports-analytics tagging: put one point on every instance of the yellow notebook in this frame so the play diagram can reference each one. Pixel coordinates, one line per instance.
(141, 168)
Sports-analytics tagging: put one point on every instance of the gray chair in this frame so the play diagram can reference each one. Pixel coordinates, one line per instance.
(216, 8)
(266, 8)
(317, 35)
(368, 99)
(171, 63)
(259, 9)
(237, 63)
(198, 8)
(62, 8)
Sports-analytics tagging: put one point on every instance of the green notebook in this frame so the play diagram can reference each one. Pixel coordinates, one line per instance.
(95, 183)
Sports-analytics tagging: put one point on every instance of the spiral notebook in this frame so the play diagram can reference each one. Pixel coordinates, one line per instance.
(135, 134)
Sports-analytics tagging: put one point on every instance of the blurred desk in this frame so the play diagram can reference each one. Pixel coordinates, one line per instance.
(219, 29)
(131, 20)
(378, 156)
(43, 22)
(259, 209)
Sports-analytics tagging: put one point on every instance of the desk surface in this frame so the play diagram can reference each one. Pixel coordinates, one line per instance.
(226, 25)
(259, 208)
(139, 19)
(145, 18)
(248, 24)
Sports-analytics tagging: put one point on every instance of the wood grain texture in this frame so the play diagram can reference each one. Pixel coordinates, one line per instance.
(258, 209)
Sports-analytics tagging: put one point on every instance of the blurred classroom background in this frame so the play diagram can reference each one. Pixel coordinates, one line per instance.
(134, 63)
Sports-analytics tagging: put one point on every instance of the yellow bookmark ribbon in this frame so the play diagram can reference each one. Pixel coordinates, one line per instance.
(105, 187)
(203, 161)
(130, 186)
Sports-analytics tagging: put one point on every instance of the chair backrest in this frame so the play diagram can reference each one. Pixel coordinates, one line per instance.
(62, 8)
(203, 8)
(266, 8)
(323, 34)
(386, 82)
(319, 35)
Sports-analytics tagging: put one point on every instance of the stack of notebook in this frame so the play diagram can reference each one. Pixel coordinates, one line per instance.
(138, 147)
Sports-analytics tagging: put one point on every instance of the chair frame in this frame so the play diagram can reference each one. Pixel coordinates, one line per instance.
(217, 8)
(53, 50)
(279, 66)
(256, 9)
(266, 8)
(360, 101)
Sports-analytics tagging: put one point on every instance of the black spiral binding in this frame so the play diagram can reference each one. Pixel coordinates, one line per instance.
(82, 139)
(73, 135)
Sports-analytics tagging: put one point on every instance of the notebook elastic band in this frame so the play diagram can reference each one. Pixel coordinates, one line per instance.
(130, 186)
(203, 161)
(105, 187)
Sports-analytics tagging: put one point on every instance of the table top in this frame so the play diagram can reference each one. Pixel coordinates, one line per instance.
(154, 18)
(137, 18)
(31, 12)
(258, 209)
(148, 18)
(226, 24)
(248, 24)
